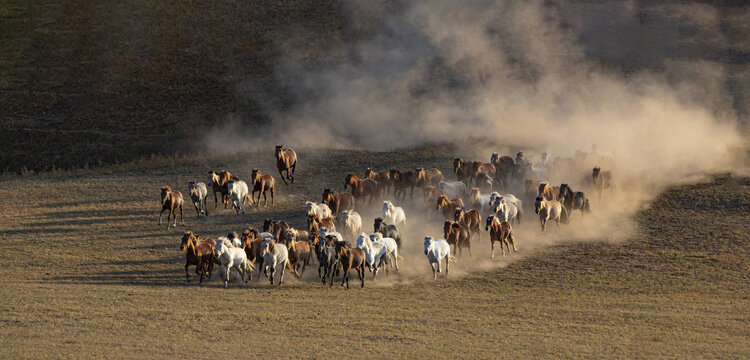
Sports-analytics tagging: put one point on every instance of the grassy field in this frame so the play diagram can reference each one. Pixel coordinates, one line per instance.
(87, 273)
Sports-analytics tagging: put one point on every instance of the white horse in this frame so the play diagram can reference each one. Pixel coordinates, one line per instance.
(481, 201)
(391, 247)
(238, 194)
(437, 251)
(230, 243)
(321, 210)
(352, 222)
(274, 255)
(508, 198)
(233, 257)
(199, 196)
(550, 210)
(393, 214)
(323, 233)
(506, 211)
(452, 190)
(375, 253)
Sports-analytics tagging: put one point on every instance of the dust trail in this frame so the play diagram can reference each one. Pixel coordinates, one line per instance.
(518, 73)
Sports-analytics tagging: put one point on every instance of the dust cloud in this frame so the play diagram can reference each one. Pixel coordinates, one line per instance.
(523, 75)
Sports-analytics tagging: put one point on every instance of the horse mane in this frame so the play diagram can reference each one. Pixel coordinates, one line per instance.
(272, 247)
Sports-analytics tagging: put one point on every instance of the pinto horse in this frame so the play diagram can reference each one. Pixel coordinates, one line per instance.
(261, 184)
(337, 202)
(361, 188)
(171, 200)
(501, 232)
(286, 159)
(199, 253)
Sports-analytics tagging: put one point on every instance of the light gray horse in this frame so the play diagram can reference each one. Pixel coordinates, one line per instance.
(199, 196)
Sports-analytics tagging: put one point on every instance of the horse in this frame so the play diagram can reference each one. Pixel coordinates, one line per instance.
(251, 241)
(504, 165)
(233, 257)
(170, 200)
(328, 260)
(394, 214)
(199, 195)
(448, 207)
(471, 219)
(352, 223)
(547, 191)
(402, 181)
(218, 182)
(383, 179)
(286, 159)
(480, 202)
(238, 194)
(489, 169)
(506, 211)
(510, 198)
(550, 210)
(602, 180)
(430, 177)
(375, 253)
(388, 231)
(484, 182)
(274, 255)
(314, 224)
(460, 170)
(473, 169)
(337, 202)
(458, 235)
(290, 234)
(299, 256)
(199, 253)
(391, 248)
(437, 251)
(573, 200)
(320, 210)
(452, 190)
(361, 188)
(350, 259)
(431, 194)
(275, 228)
(501, 232)
(261, 184)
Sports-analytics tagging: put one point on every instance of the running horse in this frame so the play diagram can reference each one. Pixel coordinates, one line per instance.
(286, 159)
(171, 200)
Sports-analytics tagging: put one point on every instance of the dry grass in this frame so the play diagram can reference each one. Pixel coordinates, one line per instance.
(89, 274)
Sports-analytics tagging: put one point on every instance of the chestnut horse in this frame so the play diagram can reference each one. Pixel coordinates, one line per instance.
(471, 219)
(458, 235)
(314, 224)
(337, 202)
(199, 253)
(383, 179)
(430, 177)
(262, 183)
(361, 187)
(449, 207)
(502, 232)
(171, 200)
(402, 181)
(286, 159)
(251, 241)
(350, 259)
(547, 191)
(275, 228)
(299, 256)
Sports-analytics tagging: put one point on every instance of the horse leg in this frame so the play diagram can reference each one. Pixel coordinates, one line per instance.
(492, 243)
(361, 272)
(281, 175)
(271, 274)
(281, 276)
(216, 200)
(182, 220)
(160, 214)
(226, 276)
(265, 198)
(272, 191)
(294, 168)
(434, 273)
(187, 275)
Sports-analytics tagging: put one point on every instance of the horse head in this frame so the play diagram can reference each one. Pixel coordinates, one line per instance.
(427, 242)
(539, 204)
(165, 191)
(442, 201)
(351, 180)
(490, 221)
(255, 175)
(378, 225)
(458, 215)
(327, 196)
(279, 152)
(447, 228)
(186, 239)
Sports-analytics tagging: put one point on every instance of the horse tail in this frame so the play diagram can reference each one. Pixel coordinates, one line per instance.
(249, 266)
(400, 258)
(452, 259)
(564, 215)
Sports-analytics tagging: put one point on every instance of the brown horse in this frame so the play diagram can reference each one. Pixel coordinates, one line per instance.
(286, 159)
(314, 224)
(350, 259)
(402, 181)
(431, 194)
(287, 235)
(219, 182)
(458, 235)
(602, 180)
(459, 168)
(489, 169)
(199, 253)
(504, 167)
(337, 202)
(471, 219)
(251, 244)
(361, 188)
(449, 207)
(502, 232)
(299, 256)
(171, 200)
(383, 179)
(261, 184)
(430, 177)
(548, 192)
(276, 228)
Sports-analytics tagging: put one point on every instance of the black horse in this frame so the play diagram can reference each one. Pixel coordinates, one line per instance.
(390, 231)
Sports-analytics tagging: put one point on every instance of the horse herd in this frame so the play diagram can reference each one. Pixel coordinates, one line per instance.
(334, 225)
